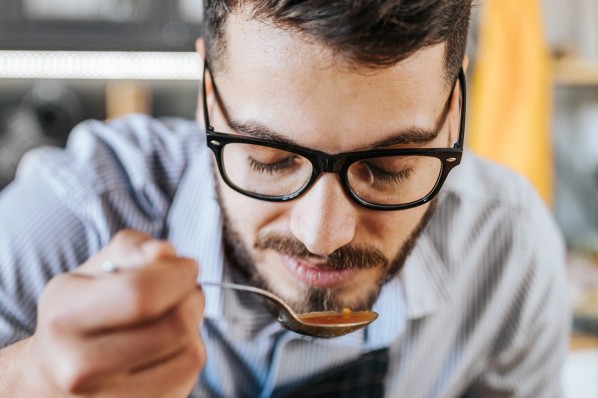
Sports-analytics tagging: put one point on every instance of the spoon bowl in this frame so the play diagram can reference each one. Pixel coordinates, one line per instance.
(316, 324)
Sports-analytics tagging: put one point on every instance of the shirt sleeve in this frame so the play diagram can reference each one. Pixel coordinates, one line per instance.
(34, 228)
(527, 362)
(66, 204)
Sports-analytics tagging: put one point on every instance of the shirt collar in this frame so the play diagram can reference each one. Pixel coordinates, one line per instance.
(425, 278)
(195, 228)
(421, 288)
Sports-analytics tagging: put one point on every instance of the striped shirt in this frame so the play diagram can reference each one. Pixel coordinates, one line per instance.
(479, 310)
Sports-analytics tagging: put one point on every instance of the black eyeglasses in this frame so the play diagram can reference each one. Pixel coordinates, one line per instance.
(380, 179)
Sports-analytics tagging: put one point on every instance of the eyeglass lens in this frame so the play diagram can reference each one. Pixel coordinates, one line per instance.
(385, 180)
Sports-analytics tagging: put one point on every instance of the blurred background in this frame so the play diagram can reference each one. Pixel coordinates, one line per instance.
(63, 61)
(533, 102)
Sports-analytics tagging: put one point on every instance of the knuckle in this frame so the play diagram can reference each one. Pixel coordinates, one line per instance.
(129, 235)
(189, 313)
(200, 301)
(54, 320)
(196, 356)
(159, 249)
(54, 314)
(136, 302)
(140, 305)
(192, 265)
(187, 271)
(76, 374)
(184, 321)
(178, 324)
(53, 287)
(127, 239)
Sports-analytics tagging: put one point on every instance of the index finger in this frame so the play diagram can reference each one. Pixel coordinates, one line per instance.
(89, 304)
(128, 249)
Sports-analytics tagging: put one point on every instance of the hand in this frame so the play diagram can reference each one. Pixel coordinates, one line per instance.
(133, 333)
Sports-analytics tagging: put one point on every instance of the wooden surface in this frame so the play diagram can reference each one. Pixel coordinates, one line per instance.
(127, 96)
(582, 341)
(575, 72)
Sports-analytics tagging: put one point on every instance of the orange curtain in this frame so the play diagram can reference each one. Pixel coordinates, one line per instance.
(511, 94)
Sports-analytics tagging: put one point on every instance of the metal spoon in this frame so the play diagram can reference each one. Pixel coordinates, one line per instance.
(316, 324)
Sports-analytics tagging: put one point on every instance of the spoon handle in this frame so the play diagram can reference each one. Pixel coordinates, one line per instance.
(280, 304)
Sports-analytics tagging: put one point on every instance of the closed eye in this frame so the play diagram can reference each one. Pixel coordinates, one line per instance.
(396, 177)
(271, 168)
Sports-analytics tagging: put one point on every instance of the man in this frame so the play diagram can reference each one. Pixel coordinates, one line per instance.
(331, 128)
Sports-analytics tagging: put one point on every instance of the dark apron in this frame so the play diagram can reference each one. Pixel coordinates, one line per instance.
(363, 378)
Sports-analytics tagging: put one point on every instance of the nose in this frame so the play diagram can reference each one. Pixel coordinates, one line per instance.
(324, 218)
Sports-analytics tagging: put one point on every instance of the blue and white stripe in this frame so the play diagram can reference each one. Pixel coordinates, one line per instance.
(480, 309)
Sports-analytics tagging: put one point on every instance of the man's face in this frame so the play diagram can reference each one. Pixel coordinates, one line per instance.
(322, 250)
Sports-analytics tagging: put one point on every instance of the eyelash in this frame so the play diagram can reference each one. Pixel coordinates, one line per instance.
(270, 168)
(388, 177)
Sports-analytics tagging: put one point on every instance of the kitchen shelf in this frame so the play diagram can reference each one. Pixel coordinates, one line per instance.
(571, 71)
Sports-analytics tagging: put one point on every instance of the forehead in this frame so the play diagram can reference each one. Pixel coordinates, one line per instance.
(298, 87)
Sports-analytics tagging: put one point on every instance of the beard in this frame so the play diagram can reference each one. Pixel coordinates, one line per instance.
(347, 257)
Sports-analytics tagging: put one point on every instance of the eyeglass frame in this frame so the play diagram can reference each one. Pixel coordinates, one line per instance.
(339, 164)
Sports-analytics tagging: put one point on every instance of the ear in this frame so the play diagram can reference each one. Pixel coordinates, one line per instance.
(465, 63)
(456, 107)
(200, 47)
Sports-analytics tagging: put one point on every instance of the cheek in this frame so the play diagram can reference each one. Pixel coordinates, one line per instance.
(392, 229)
(248, 216)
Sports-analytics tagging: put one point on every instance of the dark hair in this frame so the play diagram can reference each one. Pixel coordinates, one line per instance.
(369, 33)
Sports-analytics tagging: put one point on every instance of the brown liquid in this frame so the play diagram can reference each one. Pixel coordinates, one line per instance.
(337, 318)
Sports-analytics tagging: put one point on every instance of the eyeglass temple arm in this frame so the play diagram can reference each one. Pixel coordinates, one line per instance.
(463, 84)
(205, 101)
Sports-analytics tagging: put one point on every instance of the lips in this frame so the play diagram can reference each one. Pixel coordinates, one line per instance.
(317, 276)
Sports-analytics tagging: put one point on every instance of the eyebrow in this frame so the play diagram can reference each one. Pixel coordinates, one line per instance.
(257, 130)
(410, 135)
(414, 134)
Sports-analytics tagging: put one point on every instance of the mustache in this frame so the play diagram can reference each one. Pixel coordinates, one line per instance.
(344, 258)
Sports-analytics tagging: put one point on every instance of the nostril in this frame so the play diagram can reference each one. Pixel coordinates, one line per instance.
(322, 233)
